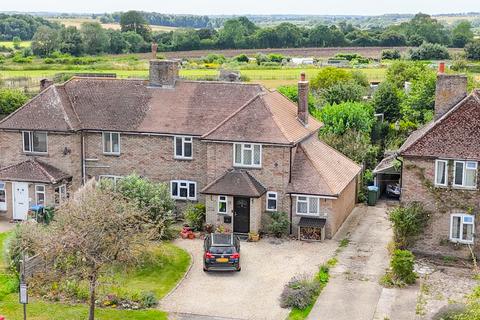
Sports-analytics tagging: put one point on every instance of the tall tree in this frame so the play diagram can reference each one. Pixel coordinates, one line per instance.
(462, 34)
(135, 21)
(45, 41)
(94, 38)
(71, 41)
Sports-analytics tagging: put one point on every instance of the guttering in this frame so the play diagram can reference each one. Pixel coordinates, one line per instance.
(401, 171)
(82, 157)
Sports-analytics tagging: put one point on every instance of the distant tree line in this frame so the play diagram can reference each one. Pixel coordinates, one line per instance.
(22, 26)
(239, 33)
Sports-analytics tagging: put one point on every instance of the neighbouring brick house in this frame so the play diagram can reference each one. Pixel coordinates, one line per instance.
(440, 169)
(239, 148)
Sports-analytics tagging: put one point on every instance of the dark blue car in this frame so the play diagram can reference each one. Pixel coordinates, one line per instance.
(221, 252)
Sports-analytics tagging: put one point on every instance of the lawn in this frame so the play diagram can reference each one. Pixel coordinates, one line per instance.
(159, 276)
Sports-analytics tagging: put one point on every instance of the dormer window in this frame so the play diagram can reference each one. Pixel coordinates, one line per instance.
(34, 142)
(247, 155)
(111, 143)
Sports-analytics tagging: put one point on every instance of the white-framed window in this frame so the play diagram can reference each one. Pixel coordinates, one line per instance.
(183, 190)
(222, 204)
(40, 194)
(60, 194)
(462, 228)
(3, 196)
(465, 174)
(308, 206)
(441, 173)
(111, 143)
(247, 155)
(109, 177)
(35, 141)
(272, 200)
(183, 147)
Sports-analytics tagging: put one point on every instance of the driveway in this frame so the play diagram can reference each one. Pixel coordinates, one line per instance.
(354, 291)
(252, 293)
(5, 225)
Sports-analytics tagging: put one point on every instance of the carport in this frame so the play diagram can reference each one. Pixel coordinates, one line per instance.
(387, 172)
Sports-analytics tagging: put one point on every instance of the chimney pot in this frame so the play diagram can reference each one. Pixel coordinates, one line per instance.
(441, 67)
(303, 88)
(163, 73)
(450, 90)
(45, 83)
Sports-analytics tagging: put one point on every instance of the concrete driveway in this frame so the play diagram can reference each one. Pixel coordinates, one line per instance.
(252, 293)
(354, 291)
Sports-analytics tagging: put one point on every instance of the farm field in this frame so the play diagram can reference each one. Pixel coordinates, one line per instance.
(271, 78)
(9, 44)
(77, 22)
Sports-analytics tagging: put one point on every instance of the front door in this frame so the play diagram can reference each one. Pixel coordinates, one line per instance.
(241, 219)
(20, 200)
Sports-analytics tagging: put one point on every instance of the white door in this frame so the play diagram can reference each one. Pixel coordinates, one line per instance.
(20, 200)
(3, 196)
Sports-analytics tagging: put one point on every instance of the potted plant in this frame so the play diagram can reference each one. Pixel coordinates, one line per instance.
(208, 228)
(253, 236)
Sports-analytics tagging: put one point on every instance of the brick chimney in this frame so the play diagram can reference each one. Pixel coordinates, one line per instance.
(303, 87)
(154, 50)
(163, 73)
(451, 89)
(45, 83)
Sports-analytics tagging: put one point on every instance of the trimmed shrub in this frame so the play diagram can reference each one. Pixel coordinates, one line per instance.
(279, 224)
(402, 266)
(148, 300)
(300, 292)
(391, 54)
(241, 58)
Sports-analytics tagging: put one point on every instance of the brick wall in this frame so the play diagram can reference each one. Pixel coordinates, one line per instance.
(435, 238)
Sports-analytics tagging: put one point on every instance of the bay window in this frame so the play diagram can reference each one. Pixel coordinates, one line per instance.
(183, 190)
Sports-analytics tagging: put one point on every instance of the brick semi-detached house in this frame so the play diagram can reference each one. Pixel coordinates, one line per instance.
(239, 148)
(440, 170)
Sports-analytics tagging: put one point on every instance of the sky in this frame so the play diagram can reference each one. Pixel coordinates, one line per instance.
(314, 7)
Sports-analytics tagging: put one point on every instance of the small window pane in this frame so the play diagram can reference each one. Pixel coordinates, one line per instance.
(183, 192)
(192, 192)
(178, 146)
(313, 205)
(115, 142)
(456, 227)
(272, 204)
(26, 141)
(188, 149)
(247, 157)
(174, 189)
(238, 153)
(441, 167)
(470, 178)
(222, 204)
(256, 155)
(468, 232)
(39, 142)
(301, 207)
(459, 173)
(106, 143)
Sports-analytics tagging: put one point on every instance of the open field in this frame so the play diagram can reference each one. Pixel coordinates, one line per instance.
(77, 22)
(9, 44)
(271, 78)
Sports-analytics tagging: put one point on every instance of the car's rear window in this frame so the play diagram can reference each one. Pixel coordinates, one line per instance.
(222, 250)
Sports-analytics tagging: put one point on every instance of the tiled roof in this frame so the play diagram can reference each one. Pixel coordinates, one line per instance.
(253, 122)
(215, 110)
(236, 182)
(33, 171)
(387, 165)
(454, 135)
(318, 169)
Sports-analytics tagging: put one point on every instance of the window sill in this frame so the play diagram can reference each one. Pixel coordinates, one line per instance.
(223, 213)
(183, 158)
(319, 215)
(461, 241)
(247, 167)
(36, 154)
(112, 154)
(183, 199)
(464, 188)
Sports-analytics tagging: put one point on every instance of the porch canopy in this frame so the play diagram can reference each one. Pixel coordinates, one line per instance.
(306, 222)
(33, 170)
(236, 182)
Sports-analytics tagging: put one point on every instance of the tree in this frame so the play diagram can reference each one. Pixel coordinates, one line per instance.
(117, 42)
(400, 71)
(423, 28)
(328, 76)
(462, 34)
(45, 41)
(419, 103)
(235, 32)
(154, 199)
(135, 41)
(291, 92)
(71, 41)
(11, 100)
(429, 51)
(135, 21)
(186, 39)
(343, 91)
(94, 38)
(393, 38)
(338, 118)
(391, 54)
(324, 36)
(472, 50)
(92, 232)
(387, 99)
